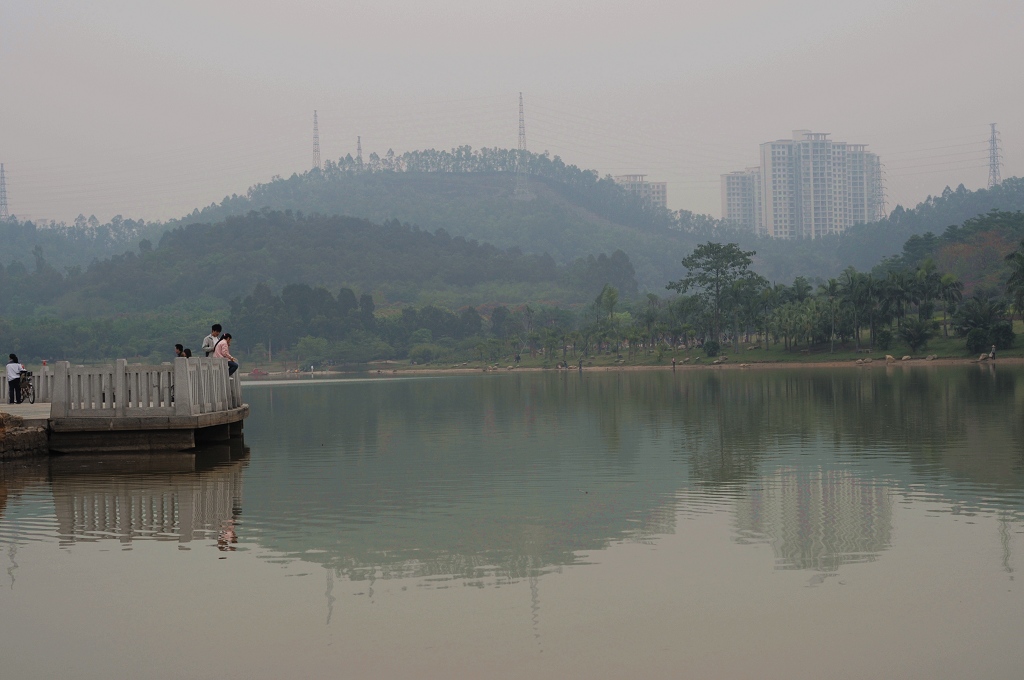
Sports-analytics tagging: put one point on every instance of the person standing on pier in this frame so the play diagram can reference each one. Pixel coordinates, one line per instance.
(14, 369)
(210, 341)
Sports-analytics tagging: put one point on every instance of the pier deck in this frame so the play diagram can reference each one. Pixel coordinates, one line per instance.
(124, 407)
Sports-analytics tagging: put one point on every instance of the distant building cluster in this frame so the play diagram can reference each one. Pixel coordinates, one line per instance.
(654, 192)
(806, 187)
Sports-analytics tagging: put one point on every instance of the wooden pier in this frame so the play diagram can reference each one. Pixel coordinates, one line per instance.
(124, 407)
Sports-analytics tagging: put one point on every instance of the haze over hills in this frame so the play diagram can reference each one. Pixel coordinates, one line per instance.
(281, 263)
(569, 214)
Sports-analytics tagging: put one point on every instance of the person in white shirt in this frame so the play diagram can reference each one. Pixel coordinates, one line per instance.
(14, 369)
(210, 341)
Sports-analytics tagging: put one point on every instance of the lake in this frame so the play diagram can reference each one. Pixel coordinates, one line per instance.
(802, 523)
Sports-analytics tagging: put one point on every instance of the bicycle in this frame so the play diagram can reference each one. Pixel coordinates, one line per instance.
(28, 392)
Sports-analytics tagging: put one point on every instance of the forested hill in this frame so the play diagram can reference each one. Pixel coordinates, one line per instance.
(568, 214)
(453, 190)
(74, 245)
(396, 263)
(863, 245)
(572, 213)
(975, 252)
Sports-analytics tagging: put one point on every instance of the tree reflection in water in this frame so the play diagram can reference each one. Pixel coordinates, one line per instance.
(491, 479)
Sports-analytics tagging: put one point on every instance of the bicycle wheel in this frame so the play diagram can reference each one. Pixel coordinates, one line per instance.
(29, 395)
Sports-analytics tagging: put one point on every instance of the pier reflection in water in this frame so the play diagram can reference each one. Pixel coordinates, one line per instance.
(181, 497)
(646, 502)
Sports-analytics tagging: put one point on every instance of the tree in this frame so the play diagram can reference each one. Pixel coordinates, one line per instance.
(607, 300)
(366, 309)
(951, 292)
(983, 322)
(831, 291)
(1015, 284)
(713, 268)
(499, 318)
(917, 332)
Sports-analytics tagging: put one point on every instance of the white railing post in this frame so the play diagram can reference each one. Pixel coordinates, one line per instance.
(43, 384)
(61, 395)
(182, 391)
(120, 387)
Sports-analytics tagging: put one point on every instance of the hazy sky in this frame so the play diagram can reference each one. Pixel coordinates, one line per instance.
(149, 109)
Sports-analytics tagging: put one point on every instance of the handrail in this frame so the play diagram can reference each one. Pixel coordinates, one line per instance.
(187, 387)
(41, 380)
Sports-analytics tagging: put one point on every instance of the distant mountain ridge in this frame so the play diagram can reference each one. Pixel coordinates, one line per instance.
(397, 263)
(570, 214)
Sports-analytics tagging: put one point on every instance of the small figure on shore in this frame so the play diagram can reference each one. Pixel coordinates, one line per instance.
(211, 340)
(221, 350)
(14, 369)
(581, 364)
(179, 350)
(992, 354)
(673, 363)
(517, 358)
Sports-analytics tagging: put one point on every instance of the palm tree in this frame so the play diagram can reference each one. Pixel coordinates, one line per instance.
(831, 291)
(951, 292)
(897, 293)
(851, 290)
(801, 289)
(929, 281)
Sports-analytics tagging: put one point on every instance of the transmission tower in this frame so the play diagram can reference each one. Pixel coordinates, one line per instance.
(994, 158)
(521, 189)
(316, 143)
(4, 214)
(359, 151)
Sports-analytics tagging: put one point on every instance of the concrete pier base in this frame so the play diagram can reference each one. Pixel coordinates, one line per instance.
(21, 437)
(122, 441)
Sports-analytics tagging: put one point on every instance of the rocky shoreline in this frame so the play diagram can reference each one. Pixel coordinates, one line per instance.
(18, 440)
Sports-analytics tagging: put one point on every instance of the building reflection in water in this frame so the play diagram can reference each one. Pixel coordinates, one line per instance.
(495, 480)
(816, 518)
(172, 497)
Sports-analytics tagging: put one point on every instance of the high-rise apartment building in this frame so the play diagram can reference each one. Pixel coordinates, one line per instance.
(810, 186)
(741, 199)
(654, 192)
(814, 187)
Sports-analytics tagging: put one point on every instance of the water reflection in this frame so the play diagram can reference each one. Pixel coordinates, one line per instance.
(493, 479)
(815, 518)
(178, 497)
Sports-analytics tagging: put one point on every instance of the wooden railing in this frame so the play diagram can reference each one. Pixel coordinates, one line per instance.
(187, 387)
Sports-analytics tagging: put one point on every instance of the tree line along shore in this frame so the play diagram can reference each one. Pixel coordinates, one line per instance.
(337, 292)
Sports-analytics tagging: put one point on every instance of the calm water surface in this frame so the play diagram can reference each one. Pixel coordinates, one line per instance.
(713, 524)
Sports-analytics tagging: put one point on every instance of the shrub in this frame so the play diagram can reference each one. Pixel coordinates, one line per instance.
(423, 354)
(1002, 335)
(423, 336)
(883, 339)
(712, 348)
(916, 333)
(977, 340)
